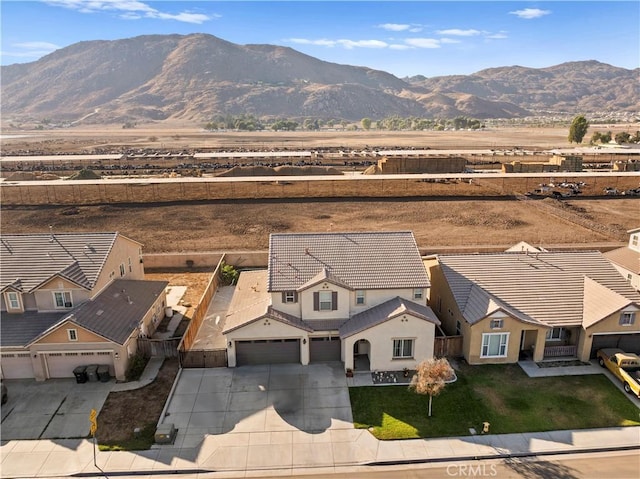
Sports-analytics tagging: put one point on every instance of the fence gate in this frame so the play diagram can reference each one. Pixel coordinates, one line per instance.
(447, 346)
(166, 348)
(203, 358)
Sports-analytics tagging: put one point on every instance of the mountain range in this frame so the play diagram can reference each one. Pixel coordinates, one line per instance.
(194, 77)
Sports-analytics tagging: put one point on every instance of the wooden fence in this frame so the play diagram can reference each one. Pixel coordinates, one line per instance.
(447, 346)
(203, 358)
(200, 312)
(167, 348)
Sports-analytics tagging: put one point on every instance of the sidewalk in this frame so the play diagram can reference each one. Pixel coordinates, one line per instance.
(298, 453)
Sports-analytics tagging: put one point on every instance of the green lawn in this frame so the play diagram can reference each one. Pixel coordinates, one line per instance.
(503, 395)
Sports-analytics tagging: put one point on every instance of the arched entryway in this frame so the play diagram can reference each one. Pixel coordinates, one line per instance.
(361, 354)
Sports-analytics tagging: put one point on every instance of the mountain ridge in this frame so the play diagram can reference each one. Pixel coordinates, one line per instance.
(197, 76)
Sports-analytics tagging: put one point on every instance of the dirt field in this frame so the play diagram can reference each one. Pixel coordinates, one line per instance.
(246, 225)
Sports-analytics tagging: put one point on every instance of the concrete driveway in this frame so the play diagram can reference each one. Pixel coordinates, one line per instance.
(52, 409)
(259, 399)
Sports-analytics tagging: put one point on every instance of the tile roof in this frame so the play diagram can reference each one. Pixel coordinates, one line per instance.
(626, 258)
(28, 260)
(251, 302)
(545, 287)
(117, 311)
(384, 312)
(600, 302)
(22, 329)
(366, 260)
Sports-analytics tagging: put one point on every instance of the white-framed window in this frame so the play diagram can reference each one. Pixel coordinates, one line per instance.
(458, 328)
(72, 334)
(555, 334)
(62, 299)
(13, 300)
(418, 293)
(290, 297)
(112, 274)
(360, 296)
(629, 276)
(402, 348)
(130, 265)
(627, 318)
(634, 240)
(497, 324)
(494, 345)
(325, 300)
(122, 269)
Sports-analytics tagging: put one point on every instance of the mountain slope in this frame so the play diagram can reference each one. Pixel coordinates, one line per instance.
(194, 77)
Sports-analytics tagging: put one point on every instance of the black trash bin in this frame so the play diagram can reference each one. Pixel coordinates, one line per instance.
(92, 372)
(81, 374)
(103, 373)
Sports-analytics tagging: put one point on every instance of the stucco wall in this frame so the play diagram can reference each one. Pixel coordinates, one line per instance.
(122, 251)
(381, 338)
(611, 324)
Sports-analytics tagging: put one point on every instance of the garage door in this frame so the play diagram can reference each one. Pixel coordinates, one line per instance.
(16, 366)
(61, 365)
(272, 351)
(627, 342)
(324, 349)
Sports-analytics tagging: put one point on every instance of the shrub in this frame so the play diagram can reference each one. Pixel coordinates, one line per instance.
(229, 274)
(136, 366)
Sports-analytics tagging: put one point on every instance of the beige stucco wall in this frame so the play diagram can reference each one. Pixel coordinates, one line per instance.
(44, 295)
(635, 277)
(266, 328)
(611, 324)
(381, 338)
(123, 249)
(305, 298)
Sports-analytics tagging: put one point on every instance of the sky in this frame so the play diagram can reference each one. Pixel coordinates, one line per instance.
(405, 38)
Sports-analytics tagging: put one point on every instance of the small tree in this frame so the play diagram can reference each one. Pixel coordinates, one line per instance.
(366, 123)
(578, 129)
(430, 377)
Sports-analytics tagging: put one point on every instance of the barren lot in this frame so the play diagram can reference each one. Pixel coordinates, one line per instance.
(246, 225)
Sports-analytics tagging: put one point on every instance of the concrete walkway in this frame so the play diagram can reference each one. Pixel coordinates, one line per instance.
(293, 453)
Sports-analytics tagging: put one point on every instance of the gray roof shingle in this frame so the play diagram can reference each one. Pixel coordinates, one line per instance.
(384, 312)
(28, 260)
(545, 287)
(365, 260)
(21, 329)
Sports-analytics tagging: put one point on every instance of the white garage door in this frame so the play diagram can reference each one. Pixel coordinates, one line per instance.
(16, 366)
(61, 365)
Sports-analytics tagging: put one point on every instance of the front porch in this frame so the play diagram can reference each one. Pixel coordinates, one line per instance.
(550, 345)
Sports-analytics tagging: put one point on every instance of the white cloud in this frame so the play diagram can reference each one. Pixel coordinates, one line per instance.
(423, 42)
(397, 46)
(458, 32)
(530, 13)
(348, 44)
(449, 40)
(132, 10)
(497, 36)
(30, 49)
(395, 27)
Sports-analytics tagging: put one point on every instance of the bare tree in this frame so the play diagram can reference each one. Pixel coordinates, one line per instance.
(431, 377)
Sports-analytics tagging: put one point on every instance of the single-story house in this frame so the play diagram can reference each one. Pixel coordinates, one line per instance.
(359, 298)
(542, 305)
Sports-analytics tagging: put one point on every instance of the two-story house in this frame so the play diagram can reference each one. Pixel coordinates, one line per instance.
(359, 298)
(72, 299)
(537, 304)
(627, 259)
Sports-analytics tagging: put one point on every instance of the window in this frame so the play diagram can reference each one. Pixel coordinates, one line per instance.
(402, 348)
(130, 265)
(458, 328)
(497, 323)
(72, 334)
(325, 298)
(555, 334)
(122, 270)
(627, 318)
(13, 300)
(289, 297)
(112, 274)
(634, 240)
(439, 304)
(418, 293)
(360, 297)
(63, 299)
(629, 276)
(494, 345)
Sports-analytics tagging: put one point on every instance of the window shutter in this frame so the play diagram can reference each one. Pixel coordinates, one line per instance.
(334, 300)
(284, 297)
(316, 301)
